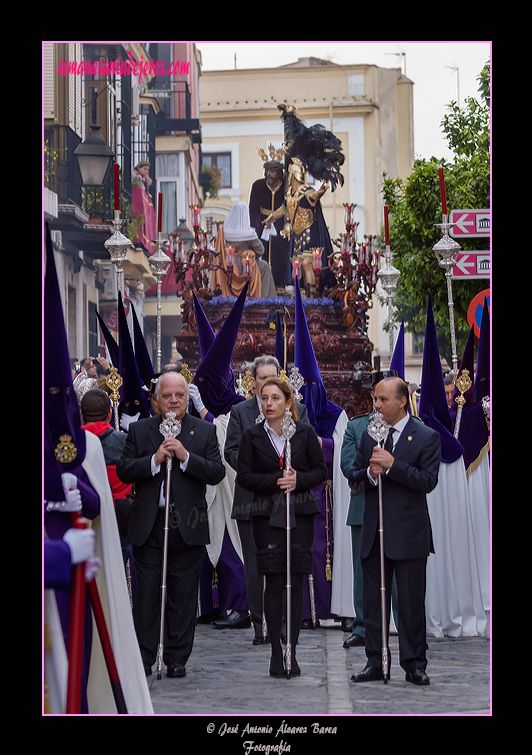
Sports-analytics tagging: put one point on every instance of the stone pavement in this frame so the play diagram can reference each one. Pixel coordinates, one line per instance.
(228, 683)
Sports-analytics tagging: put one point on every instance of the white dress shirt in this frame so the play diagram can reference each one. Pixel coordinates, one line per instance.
(278, 441)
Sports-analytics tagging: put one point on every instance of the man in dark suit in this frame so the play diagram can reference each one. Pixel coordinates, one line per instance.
(409, 471)
(245, 415)
(196, 462)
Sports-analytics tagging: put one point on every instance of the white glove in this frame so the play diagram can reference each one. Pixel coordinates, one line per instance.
(127, 419)
(69, 481)
(81, 543)
(196, 398)
(92, 567)
(72, 500)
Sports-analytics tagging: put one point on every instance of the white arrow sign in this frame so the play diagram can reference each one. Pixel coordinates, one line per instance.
(463, 263)
(472, 265)
(470, 223)
(462, 222)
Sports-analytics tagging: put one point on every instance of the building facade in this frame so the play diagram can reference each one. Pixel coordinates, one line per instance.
(143, 111)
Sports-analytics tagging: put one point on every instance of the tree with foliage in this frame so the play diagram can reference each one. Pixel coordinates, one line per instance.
(414, 207)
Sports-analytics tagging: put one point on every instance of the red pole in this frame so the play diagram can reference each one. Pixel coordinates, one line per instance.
(105, 640)
(107, 647)
(75, 634)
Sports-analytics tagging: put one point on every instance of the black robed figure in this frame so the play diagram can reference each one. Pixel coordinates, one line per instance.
(266, 196)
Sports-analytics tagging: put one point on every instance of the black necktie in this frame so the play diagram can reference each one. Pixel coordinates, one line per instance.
(388, 445)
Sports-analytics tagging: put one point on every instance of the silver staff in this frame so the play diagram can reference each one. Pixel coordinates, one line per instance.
(170, 427)
(378, 429)
(446, 251)
(118, 245)
(159, 263)
(312, 600)
(288, 428)
(388, 276)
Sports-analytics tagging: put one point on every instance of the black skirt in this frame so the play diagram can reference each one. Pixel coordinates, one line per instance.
(271, 545)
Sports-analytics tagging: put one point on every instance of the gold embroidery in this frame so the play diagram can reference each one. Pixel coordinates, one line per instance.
(65, 451)
(328, 526)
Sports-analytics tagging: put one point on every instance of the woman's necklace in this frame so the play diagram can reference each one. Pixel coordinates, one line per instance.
(280, 454)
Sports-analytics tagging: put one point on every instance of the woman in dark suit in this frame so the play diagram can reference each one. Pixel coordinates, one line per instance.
(261, 469)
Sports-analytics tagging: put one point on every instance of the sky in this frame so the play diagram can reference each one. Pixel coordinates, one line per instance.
(430, 65)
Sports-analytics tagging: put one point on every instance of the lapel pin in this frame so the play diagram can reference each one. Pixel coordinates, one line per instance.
(409, 437)
(192, 432)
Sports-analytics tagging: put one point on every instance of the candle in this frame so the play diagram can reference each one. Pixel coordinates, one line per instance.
(196, 209)
(296, 266)
(349, 210)
(160, 214)
(230, 255)
(117, 189)
(442, 192)
(386, 228)
(345, 246)
(316, 258)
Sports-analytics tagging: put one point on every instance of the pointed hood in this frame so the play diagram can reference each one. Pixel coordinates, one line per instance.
(112, 346)
(203, 327)
(133, 397)
(322, 413)
(433, 408)
(142, 356)
(61, 406)
(482, 376)
(214, 376)
(398, 358)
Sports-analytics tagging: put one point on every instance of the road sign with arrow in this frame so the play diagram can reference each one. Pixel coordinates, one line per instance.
(470, 223)
(471, 265)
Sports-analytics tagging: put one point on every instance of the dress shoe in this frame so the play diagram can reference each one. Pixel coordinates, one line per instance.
(347, 625)
(369, 674)
(417, 677)
(208, 618)
(175, 670)
(354, 641)
(260, 640)
(147, 669)
(235, 620)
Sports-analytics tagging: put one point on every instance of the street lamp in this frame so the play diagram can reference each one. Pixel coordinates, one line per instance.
(94, 157)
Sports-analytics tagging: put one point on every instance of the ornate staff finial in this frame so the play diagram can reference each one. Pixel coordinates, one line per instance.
(247, 385)
(186, 373)
(463, 382)
(378, 429)
(114, 382)
(295, 381)
(170, 427)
